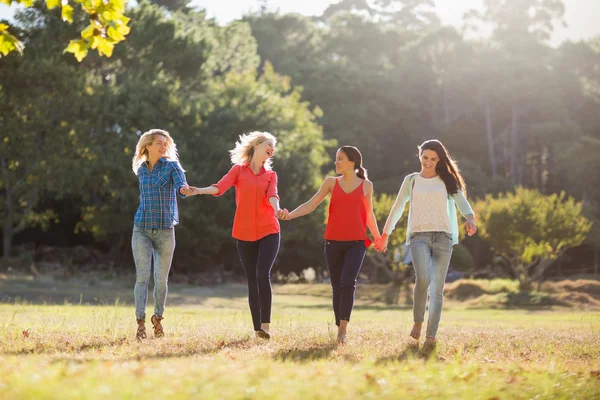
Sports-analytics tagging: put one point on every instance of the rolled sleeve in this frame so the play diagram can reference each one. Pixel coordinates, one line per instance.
(272, 189)
(178, 178)
(227, 181)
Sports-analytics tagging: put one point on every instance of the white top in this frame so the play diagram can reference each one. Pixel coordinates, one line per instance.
(429, 206)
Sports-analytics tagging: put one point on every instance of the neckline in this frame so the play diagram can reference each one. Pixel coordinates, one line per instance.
(427, 179)
(337, 180)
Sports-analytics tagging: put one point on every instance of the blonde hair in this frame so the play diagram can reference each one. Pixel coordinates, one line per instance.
(244, 147)
(141, 152)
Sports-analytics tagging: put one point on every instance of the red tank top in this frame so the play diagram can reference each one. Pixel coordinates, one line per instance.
(347, 215)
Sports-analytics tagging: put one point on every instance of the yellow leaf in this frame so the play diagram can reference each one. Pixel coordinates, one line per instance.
(115, 35)
(67, 13)
(95, 42)
(110, 15)
(52, 4)
(9, 2)
(79, 48)
(3, 27)
(9, 43)
(105, 47)
(123, 29)
(27, 3)
(88, 32)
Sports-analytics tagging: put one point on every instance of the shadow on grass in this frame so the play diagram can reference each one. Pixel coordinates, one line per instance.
(366, 307)
(313, 353)
(411, 351)
(105, 293)
(100, 347)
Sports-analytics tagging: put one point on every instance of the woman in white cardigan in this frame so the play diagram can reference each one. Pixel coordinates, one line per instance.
(432, 229)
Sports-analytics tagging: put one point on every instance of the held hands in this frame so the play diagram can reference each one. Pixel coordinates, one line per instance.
(471, 225)
(186, 190)
(283, 214)
(382, 243)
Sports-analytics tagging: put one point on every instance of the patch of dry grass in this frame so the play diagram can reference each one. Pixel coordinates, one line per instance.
(72, 352)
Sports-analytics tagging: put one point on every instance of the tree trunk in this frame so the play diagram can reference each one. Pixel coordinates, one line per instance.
(6, 240)
(490, 137)
(514, 147)
(7, 231)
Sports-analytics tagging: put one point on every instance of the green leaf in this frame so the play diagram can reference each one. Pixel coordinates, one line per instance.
(67, 13)
(79, 48)
(52, 4)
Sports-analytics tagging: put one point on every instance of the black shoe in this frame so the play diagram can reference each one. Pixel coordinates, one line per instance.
(263, 334)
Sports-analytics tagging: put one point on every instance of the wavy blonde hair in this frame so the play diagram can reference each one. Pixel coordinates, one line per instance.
(141, 152)
(244, 147)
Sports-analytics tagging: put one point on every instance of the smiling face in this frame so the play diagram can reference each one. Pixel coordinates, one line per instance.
(158, 148)
(342, 163)
(264, 150)
(429, 160)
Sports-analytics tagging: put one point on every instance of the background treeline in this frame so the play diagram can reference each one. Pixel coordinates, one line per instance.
(514, 111)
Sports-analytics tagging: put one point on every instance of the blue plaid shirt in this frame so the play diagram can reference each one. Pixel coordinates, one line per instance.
(158, 190)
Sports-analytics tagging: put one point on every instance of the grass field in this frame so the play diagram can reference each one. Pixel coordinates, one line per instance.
(69, 351)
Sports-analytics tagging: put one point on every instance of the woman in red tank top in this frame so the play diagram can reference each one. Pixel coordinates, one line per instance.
(346, 242)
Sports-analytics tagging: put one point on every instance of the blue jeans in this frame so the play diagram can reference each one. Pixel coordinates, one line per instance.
(344, 260)
(430, 252)
(148, 244)
(257, 260)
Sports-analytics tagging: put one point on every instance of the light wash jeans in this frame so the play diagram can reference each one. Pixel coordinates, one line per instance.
(430, 252)
(146, 245)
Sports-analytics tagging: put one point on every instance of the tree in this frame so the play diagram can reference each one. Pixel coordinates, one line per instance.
(42, 103)
(528, 230)
(198, 80)
(106, 26)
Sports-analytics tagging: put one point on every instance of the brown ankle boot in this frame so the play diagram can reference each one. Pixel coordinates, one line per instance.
(141, 330)
(158, 329)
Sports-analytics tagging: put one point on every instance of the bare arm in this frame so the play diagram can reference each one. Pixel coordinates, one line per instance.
(274, 202)
(219, 188)
(371, 220)
(310, 205)
(205, 190)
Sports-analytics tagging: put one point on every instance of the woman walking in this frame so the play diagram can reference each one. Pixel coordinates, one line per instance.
(255, 225)
(350, 212)
(161, 177)
(434, 192)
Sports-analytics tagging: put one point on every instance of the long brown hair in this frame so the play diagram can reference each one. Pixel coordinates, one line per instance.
(354, 156)
(446, 167)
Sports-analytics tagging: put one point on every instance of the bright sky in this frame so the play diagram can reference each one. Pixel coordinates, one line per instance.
(582, 16)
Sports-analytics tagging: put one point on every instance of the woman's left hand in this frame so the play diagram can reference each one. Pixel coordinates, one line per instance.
(471, 225)
(186, 190)
(283, 214)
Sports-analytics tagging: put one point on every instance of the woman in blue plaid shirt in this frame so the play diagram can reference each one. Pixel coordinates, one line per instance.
(161, 177)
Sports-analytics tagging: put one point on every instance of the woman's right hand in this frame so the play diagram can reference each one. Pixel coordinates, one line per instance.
(382, 243)
(186, 190)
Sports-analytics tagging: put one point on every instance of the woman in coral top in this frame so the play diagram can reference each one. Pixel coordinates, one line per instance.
(350, 212)
(255, 225)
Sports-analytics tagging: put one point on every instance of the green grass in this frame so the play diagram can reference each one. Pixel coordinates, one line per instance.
(89, 351)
